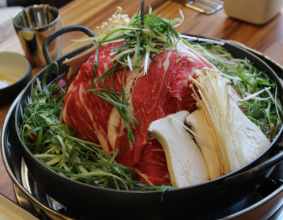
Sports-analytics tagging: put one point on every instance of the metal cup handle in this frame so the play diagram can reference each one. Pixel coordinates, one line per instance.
(64, 30)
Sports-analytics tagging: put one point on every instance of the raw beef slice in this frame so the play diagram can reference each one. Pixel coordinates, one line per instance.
(163, 90)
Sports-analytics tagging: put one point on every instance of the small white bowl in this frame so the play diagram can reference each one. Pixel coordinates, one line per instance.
(15, 67)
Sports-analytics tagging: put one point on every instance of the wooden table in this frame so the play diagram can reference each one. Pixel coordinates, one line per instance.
(267, 39)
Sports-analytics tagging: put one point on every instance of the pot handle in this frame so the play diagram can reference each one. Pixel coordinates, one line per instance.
(64, 30)
(246, 177)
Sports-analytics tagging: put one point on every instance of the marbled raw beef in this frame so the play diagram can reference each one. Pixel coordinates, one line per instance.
(162, 91)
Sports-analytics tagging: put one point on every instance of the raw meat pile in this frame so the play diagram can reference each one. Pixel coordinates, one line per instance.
(162, 91)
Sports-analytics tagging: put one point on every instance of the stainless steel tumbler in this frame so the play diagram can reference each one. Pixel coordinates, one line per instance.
(33, 25)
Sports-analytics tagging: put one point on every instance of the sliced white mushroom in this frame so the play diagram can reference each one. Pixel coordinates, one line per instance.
(254, 142)
(206, 142)
(185, 161)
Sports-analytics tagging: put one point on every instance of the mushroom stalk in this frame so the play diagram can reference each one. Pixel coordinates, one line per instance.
(185, 161)
(199, 125)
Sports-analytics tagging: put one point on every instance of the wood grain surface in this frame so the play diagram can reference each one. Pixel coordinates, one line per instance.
(267, 38)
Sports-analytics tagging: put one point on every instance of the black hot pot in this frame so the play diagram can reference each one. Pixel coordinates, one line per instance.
(192, 202)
